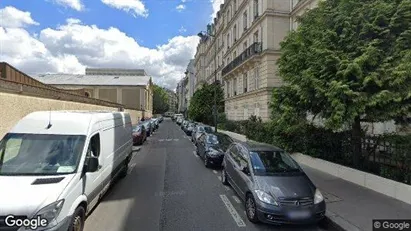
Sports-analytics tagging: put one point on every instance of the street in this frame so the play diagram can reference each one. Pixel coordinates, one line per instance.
(168, 188)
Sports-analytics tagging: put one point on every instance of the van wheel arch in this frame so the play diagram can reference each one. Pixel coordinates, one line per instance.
(84, 205)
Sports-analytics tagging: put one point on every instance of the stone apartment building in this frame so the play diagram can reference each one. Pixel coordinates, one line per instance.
(243, 49)
(172, 100)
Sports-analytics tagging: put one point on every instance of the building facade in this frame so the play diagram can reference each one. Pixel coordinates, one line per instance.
(243, 50)
(135, 92)
(190, 75)
(172, 100)
(182, 95)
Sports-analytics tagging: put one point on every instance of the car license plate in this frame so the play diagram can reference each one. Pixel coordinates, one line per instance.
(300, 214)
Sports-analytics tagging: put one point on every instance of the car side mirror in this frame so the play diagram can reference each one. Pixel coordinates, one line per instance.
(92, 164)
(245, 170)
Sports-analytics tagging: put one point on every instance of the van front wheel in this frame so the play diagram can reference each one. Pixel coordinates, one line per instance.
(77, 221)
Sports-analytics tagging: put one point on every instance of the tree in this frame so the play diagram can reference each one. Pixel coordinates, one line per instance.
(202, 102)
(349, 61)
(160, 100)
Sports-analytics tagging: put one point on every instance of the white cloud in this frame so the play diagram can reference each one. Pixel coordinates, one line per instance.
(182, 29)
(71, 47)
(12, 18)
(216, 7)
(74, 4)
(135, 7)
(180, 7)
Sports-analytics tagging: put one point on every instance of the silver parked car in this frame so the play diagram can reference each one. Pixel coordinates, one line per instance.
(274, 187)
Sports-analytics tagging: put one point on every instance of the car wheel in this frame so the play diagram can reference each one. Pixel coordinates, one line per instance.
(77, 221)
(251, 208)
(224, 177)
(206, 163)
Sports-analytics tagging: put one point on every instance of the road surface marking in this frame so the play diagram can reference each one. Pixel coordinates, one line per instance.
(232, 211)
(237, 200)
(161, 140)
(215, 171)
(245, 213)
(169, 139)
(219, 178)
(227, 188)
(176, 139)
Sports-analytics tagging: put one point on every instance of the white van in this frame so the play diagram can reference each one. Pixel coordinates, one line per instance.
(56, 165)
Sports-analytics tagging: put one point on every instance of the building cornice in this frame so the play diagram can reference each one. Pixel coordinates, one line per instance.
(301, 4)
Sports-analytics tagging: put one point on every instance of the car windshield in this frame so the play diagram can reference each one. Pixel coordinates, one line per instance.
(222, 140)
(208, 129)
(137, 129)
(38, 154)
(268, 162)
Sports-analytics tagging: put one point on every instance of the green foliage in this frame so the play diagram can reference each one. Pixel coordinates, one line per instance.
(201, 104)
(348, 59)
(160, 100)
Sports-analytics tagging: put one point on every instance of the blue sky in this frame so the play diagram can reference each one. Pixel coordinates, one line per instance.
(157, 35)
(163, 22)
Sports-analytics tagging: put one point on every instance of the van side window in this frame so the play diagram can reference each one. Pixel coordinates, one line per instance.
(94, 146)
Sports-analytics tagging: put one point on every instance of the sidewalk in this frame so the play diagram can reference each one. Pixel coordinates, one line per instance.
(353, 207)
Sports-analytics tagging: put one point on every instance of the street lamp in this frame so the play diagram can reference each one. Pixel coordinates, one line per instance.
(204, 35)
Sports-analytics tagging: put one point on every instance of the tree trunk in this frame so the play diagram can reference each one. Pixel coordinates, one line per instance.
(356, 141)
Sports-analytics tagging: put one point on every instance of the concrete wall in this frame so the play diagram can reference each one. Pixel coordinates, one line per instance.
(13, 107)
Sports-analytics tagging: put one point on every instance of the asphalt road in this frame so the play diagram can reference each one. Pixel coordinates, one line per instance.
(168, 189)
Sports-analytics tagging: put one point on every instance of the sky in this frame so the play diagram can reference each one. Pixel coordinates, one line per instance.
(66, 36)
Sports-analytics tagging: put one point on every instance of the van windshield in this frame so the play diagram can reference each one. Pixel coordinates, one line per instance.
(40, 154)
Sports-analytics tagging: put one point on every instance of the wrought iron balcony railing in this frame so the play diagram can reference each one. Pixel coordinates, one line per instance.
(252, 50)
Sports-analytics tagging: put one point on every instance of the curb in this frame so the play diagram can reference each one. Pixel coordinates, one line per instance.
(338, 223)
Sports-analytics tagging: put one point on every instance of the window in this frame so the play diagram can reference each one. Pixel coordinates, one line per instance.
(245, 22)
(255, 7)
(256, 78)
(40, 154)
(228, 89)
(94, 146)
(255, 37)
(245, 45)
(235, 54)
(235, 86)
(228, 41)
(245, 82)
(235, 5)
(235, 33)
(272, 162)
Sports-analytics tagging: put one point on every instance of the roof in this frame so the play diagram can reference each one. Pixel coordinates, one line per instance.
(256, 146)
(115, 71)
(93, 80)
(64, 122)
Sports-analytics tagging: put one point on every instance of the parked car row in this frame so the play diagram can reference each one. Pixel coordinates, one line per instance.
(272, 185)
(145, 129)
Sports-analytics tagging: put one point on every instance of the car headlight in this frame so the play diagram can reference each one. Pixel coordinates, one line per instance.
(51, 211)
(318, 197)
(265, 197)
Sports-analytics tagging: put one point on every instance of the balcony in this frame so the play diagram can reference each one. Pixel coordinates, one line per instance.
(252, 50)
